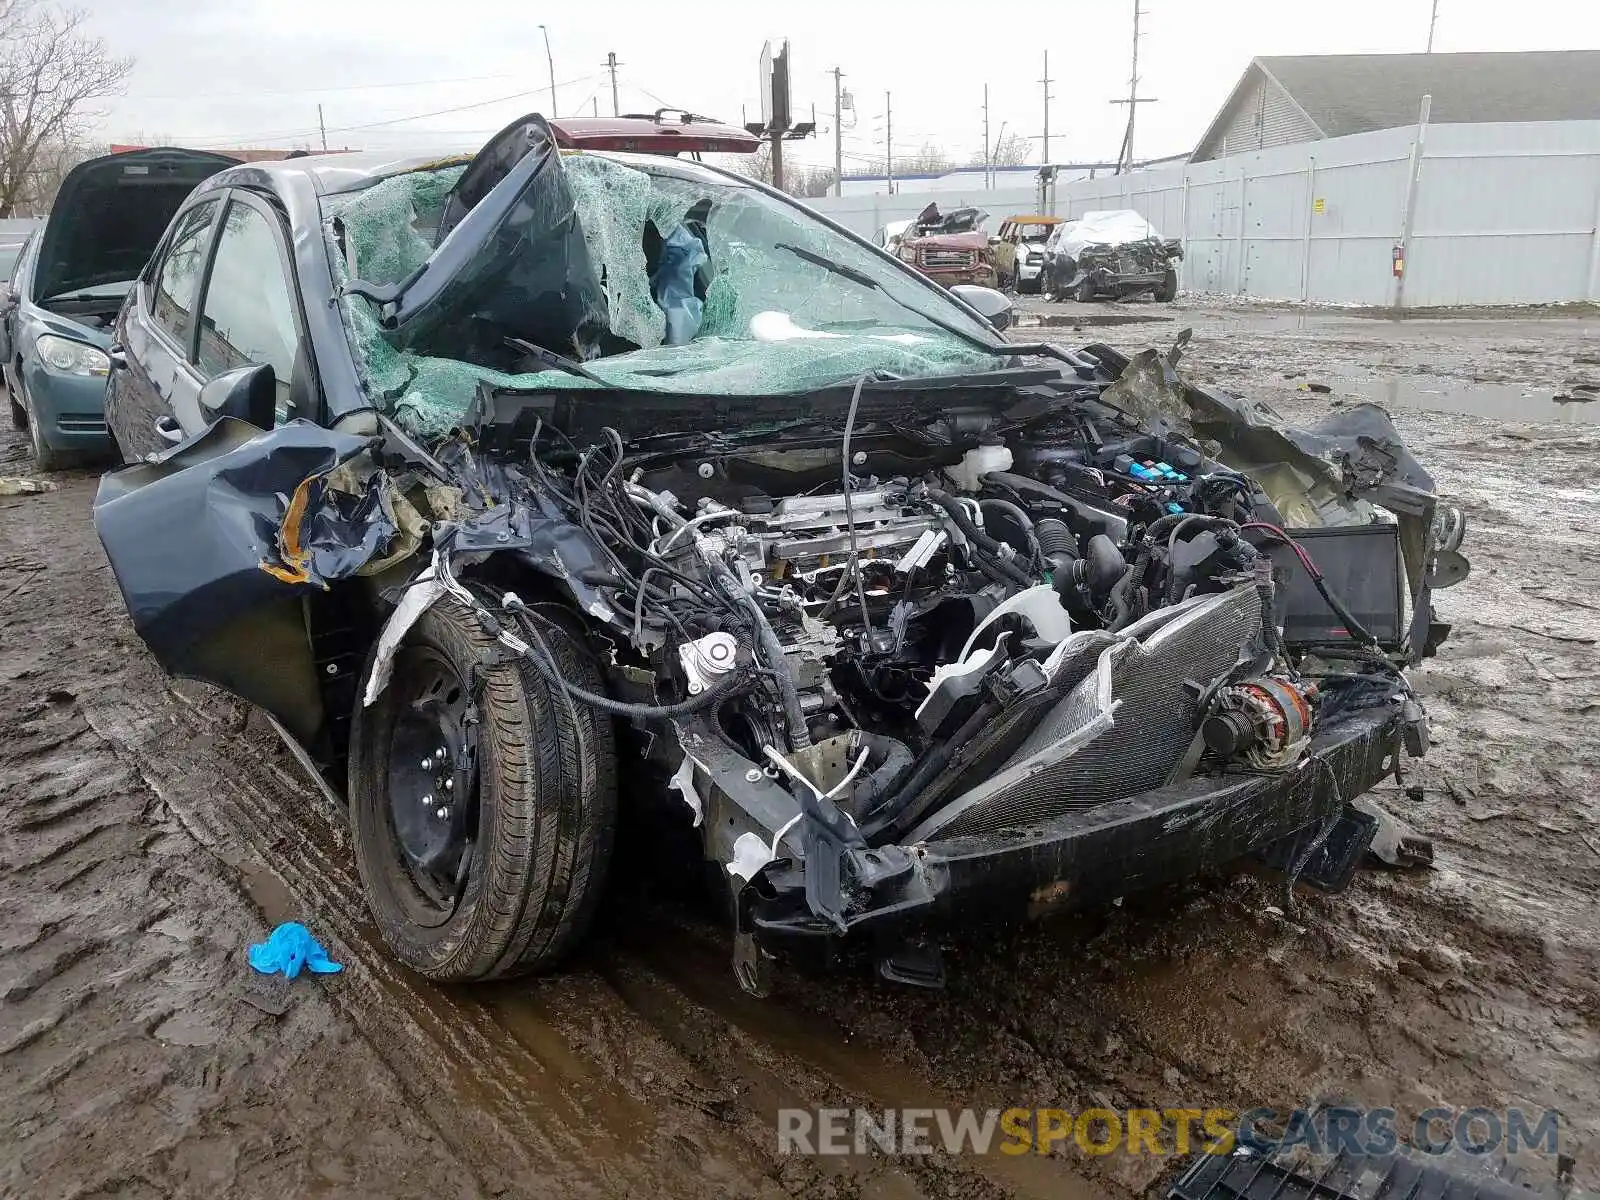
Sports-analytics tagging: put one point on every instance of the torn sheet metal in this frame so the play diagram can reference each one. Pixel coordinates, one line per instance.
(683, 781)
(420, 596)
(215, 542)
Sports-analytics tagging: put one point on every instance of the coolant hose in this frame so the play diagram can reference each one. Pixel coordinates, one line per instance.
(995, 549)
(772, 650)
(1121, 601)
(894, 760)
(908, 804)
(1024, 522)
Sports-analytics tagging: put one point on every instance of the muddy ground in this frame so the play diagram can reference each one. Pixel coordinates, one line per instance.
(149, 833)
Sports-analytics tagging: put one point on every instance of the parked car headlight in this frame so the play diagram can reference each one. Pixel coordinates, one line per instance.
(72, 358)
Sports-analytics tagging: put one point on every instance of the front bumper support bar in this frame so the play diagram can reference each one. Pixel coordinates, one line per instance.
(1094, 856)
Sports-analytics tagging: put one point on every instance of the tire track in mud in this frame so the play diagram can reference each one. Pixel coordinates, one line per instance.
(108, 998)
(628, 1066)
(132, 1062)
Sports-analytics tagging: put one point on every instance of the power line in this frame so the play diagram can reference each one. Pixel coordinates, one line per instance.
(438, 112)
(305, 91)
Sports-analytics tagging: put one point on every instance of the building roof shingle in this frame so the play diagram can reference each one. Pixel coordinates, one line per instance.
(1356, 93)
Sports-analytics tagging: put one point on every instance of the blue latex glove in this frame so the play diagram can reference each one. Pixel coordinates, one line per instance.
(288, 948)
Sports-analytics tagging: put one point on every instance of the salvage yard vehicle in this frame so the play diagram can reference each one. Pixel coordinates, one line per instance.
(1019, 251)
(949, 248)
(66, 290)
(504, 480)
(1115, 253)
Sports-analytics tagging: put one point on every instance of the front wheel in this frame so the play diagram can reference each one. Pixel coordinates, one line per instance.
(1168, 291)
(482, 803)
(1085, 292)
(19, 415)
(45, 456)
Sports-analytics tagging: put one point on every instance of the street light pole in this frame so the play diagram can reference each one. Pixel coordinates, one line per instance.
(550, 60)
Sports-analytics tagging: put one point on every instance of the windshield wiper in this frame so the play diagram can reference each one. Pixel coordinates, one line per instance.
(556, 361)
(827, 264)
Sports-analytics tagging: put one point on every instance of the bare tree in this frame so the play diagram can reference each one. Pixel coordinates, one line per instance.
(1012, 151)
(51, 71)
(799, 179)
(929, 160)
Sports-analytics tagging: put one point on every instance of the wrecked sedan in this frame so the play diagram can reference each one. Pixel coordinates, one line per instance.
(1115, 253)
(552, 470)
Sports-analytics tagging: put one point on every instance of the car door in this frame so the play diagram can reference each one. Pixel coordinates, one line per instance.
(153, 382)
(1005, 249)
(249, 313)
(11, 301)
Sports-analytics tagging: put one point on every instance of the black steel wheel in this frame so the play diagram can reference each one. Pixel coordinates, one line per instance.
(19, 415)
(482, 802)
(433, 779)
(1085, 292)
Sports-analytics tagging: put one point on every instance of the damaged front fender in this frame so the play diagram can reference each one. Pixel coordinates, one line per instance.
(216, 544)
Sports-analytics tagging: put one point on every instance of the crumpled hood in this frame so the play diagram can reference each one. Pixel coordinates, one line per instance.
(1111, 228)
(110, 214)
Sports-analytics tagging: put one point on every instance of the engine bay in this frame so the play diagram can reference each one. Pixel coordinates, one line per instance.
(884, 616)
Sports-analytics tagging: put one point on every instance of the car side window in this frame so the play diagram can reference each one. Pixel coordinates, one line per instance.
(248, 314)
(15, 275)
(172, 295)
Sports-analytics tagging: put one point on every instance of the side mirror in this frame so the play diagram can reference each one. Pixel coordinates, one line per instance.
(247, 393)
(994, 306)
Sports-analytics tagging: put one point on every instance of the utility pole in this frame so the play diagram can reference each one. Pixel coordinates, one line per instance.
(551, 62)
(322, 125)
(1125, 155)
(776, 138)
(888, 143)
(1047, 82)
(611, 64)
(1432, 21)
(988, 160)
(838, 132)
(595, 100)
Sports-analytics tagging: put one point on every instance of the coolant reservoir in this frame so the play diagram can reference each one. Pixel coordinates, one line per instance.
(979, 461)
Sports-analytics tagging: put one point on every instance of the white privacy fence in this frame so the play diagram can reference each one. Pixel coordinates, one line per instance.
(868, 214)
(1501, 214)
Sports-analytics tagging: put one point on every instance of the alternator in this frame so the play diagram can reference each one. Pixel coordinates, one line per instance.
(1266, 722)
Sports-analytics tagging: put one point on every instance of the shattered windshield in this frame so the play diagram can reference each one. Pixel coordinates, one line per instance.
(710, 286)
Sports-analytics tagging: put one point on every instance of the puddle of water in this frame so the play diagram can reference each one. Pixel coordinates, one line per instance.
(276, 902)
(1502, 401)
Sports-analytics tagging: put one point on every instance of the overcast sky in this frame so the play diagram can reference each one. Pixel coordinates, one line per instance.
(250, 73)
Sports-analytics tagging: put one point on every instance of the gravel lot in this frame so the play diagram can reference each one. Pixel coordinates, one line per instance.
(151, 831)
